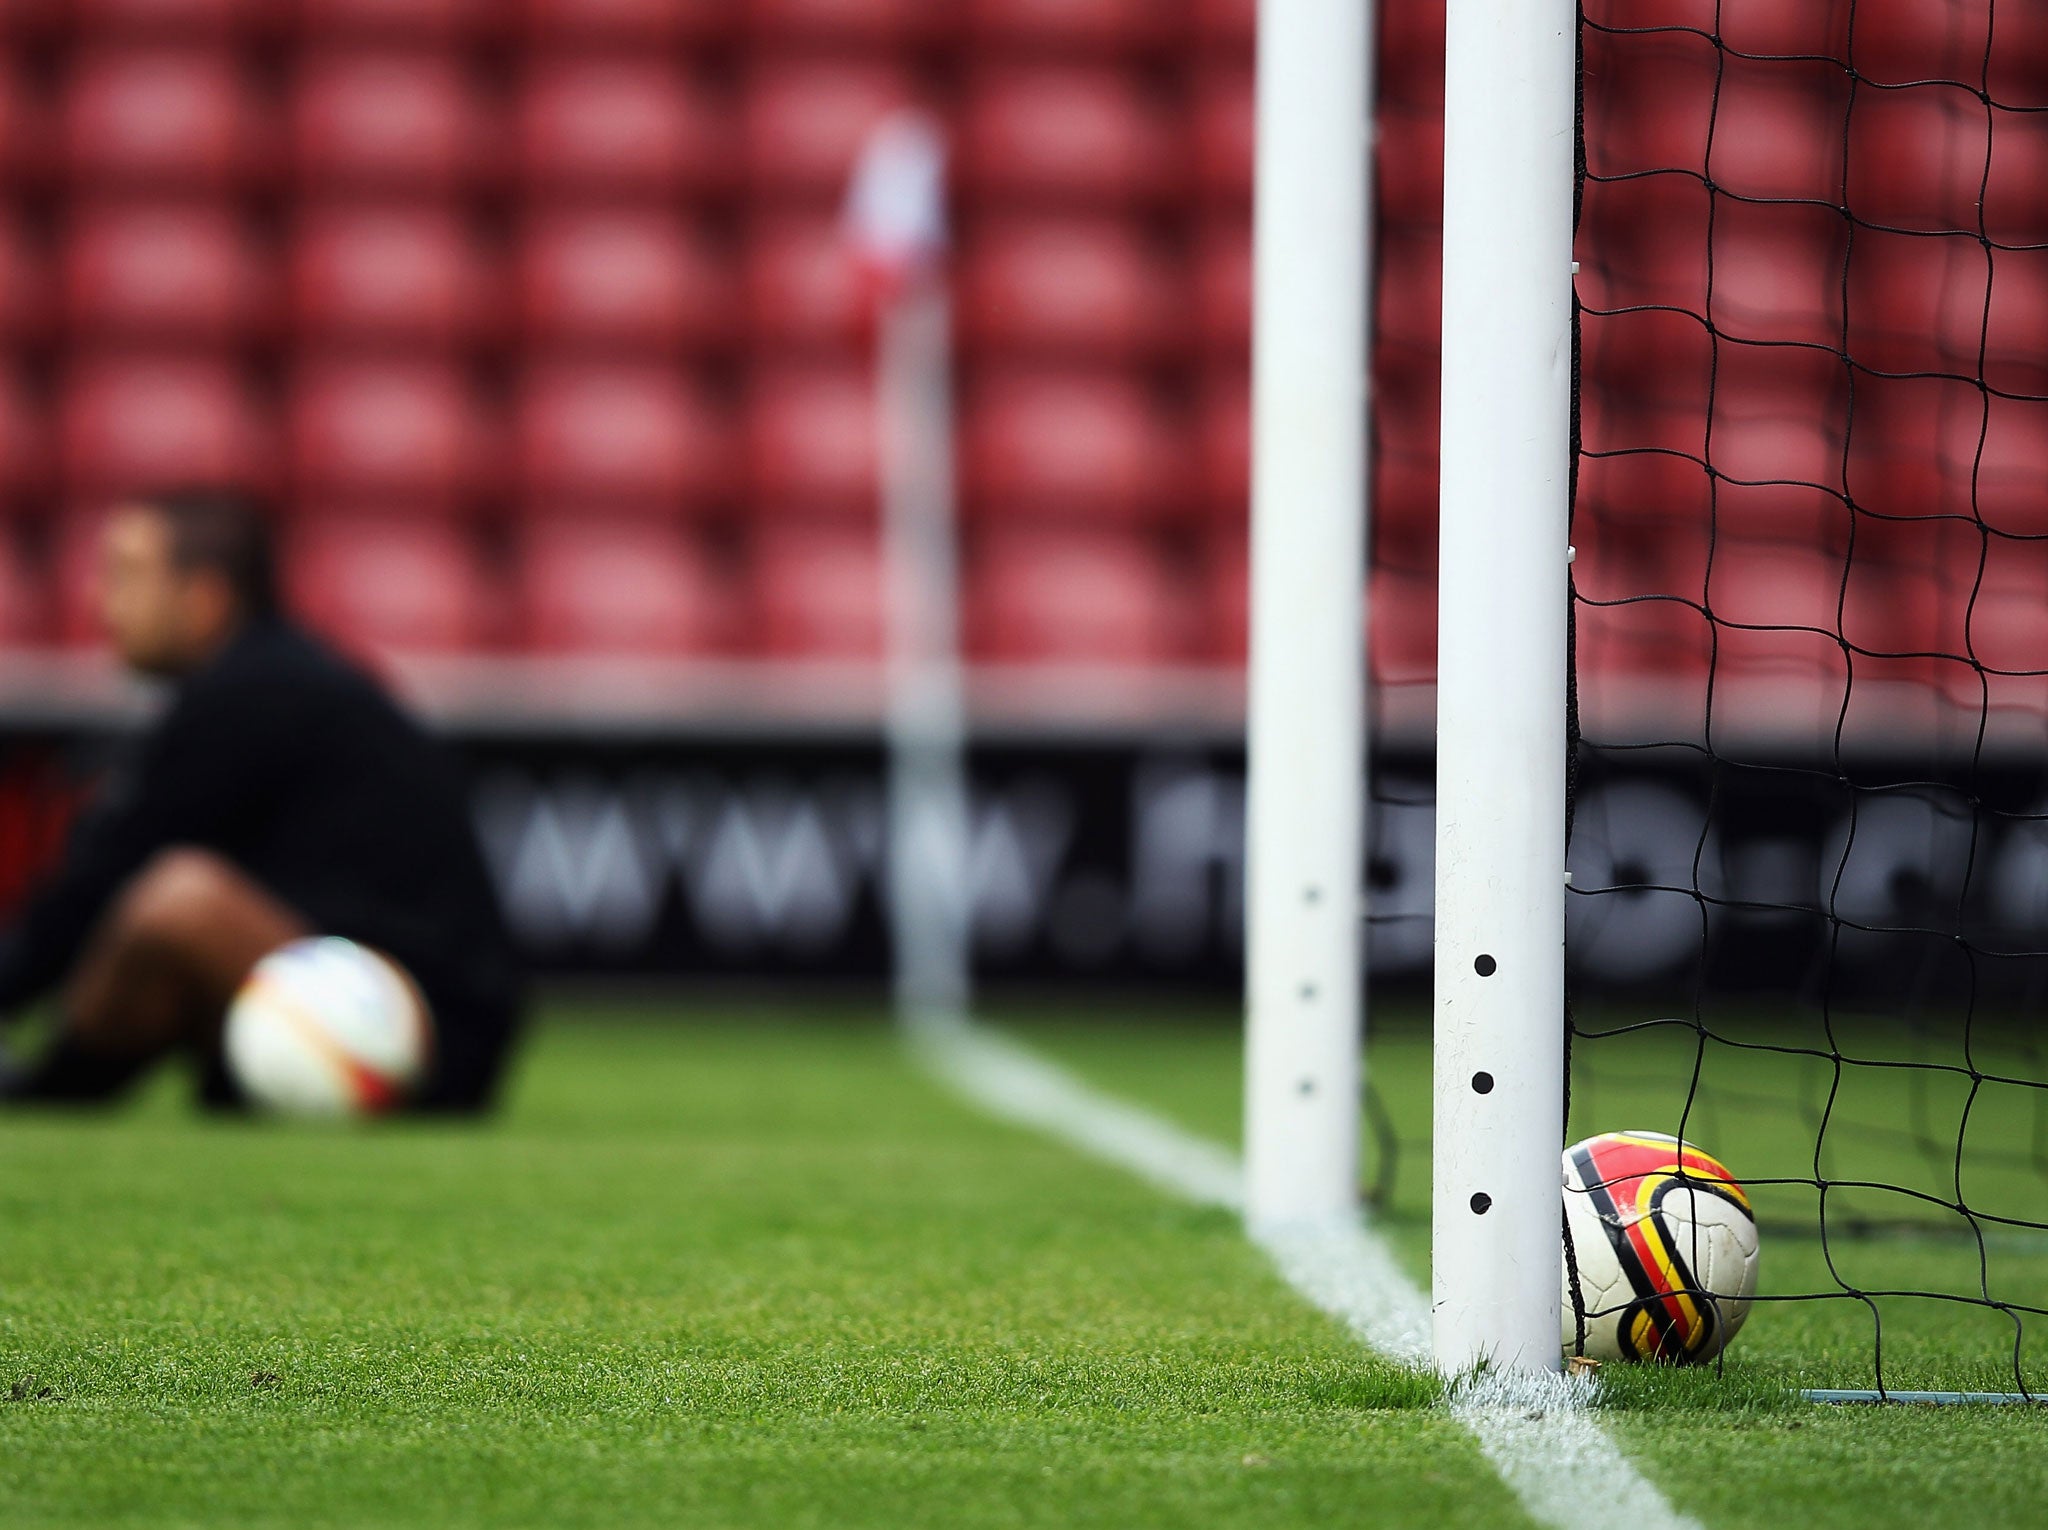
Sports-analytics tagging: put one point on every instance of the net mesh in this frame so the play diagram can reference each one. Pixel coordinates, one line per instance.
(1809, 843)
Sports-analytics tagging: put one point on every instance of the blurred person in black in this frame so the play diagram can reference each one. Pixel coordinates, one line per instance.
(282, 794)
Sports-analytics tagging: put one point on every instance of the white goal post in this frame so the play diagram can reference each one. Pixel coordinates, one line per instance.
(1509, 137)
(1306, 729)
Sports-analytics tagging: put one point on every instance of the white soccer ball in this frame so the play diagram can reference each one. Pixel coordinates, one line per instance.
(1665, 1245)
(325, 1027)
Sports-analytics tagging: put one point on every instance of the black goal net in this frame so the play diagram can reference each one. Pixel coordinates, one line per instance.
(1808, 922)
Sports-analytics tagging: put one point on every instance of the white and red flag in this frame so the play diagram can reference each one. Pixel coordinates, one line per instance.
(895, 216)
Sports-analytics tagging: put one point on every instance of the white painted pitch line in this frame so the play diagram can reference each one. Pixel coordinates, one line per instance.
(1347, 1270)
(1536, 1431)
(1015, 1083)
(1566, 1469)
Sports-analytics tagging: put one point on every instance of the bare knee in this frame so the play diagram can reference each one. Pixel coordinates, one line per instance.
(202, 912)
(179, 895)
(138, 985)
(171, 951)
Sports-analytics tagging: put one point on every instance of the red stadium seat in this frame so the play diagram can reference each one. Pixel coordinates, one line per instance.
(1229, 24)
(1938, 446)
(382, 582)
(155, 117)
(390, 273)
(1223, 132)
(24, 134)
(1758, 27)
(25, 605)
(2006, 489)
(806, 121)
(133, 18)
(636, 125)
(73, 561)
(1777, 272)
(1410, 53)
(1097, 26)
(1408, 165)
(1778, 413)
(1227, 619)
(1405, 543)
(1775, 584)
(2017, 73)
(1905, 588)
(1400, 616)
(1223, 285)
(1647, 495)
(1777, 129)
(1900, 42)
(24, 442)
(1067, 133)
(152, 270)
(1619, 561)
(627, 22)
(2008, 620)
(1645, 241)
(1071, 445)
(849, 21)
(1038, 594)
(1917, 158)
(1645, 382)
(1089, 288)
(1886, 601)
(388, 120)
(127, 424)
(1409, 288)
(623, 435)
(1912, 448)
(1226, 441)
(804, 287)
(24, 284)
(1649, 103)
(1897, 42)
(2014, 212)
(1929, 473)
(817, 590)
(591, 584)
(364, 429)
(811, 439)
(1669, 644)
(1914, 304)
(629, 280)
(399, 20)
(1405, 446)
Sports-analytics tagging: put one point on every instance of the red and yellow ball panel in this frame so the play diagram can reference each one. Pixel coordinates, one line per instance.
(1627, 1176)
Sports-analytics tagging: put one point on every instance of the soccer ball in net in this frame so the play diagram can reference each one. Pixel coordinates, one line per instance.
(1665, 1248)
(325, 1027)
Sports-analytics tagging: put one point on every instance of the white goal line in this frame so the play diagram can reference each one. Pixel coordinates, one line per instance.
(1536, 1431)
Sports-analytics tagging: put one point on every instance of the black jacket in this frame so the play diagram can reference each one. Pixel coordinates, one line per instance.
(297, 768)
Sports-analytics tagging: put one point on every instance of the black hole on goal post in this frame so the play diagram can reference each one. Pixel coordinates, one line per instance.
(1485, 965)
(1482, 1083)
(1481, 1202)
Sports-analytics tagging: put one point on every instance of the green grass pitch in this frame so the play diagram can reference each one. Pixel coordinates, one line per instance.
(756, 1271)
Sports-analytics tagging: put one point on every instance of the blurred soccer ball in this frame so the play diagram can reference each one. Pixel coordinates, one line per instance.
(325, 1027)
(1666, 1249)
